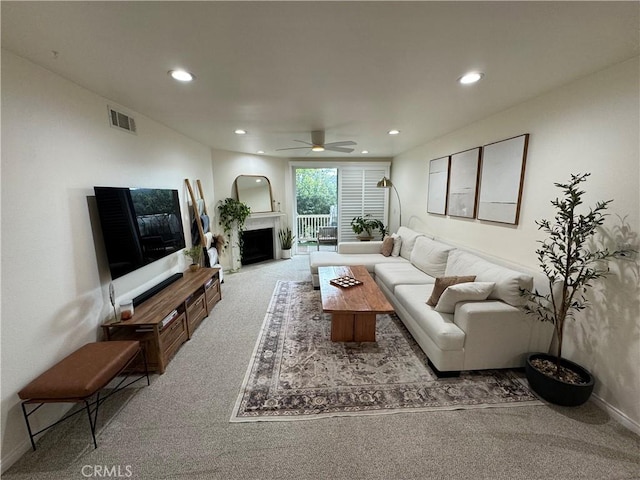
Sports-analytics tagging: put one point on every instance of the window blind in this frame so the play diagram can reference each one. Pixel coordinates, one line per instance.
(358, 195)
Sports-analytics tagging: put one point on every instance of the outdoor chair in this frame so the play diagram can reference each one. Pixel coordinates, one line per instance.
(327, 236)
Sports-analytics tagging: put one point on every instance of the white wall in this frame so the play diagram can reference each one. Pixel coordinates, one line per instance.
(227, 166)
(56, 145)
(591, 125)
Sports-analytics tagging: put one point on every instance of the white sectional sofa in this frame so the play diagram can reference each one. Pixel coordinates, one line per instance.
(457, 333)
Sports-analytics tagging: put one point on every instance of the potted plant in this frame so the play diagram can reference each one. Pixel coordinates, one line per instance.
(286, 241)
(232, 215)
(363, 227)
(194, 253)
(570, 266)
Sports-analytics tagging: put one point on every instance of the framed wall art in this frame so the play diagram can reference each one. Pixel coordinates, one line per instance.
(438, 181)
(501, 179)
(463, 183)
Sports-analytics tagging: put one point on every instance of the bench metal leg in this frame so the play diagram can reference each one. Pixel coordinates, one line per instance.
(26, 419)
(93, 421)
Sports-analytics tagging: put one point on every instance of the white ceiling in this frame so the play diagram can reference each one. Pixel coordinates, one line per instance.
(354, 69)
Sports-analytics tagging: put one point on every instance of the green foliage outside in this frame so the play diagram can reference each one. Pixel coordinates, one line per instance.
(316, 190)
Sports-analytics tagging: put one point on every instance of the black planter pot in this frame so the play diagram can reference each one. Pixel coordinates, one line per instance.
(556, 391)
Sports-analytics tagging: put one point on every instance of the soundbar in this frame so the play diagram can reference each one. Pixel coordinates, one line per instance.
(155, 289)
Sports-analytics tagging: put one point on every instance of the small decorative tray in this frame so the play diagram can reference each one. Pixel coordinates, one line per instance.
(345, 282)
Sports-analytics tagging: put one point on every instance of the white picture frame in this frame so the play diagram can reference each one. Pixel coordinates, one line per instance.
(501, 180)
(437, 185)
(463, 183)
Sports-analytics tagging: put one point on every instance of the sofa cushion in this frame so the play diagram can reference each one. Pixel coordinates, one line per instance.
(508, 282)
(373, 246)
(438, 326)
(441, 285)
(387, 246)
(463, 292)
(430, 256)
(408, 241)
(332, 259)
(392, 274)
(397, 244)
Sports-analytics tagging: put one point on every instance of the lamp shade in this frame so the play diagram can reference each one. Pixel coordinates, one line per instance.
(384, 183)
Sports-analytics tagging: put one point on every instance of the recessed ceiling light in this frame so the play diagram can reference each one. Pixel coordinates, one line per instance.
(471, 77)
(317, 148)
(365, 151)
(260, 152)
(240, 131)
(181, 75)
(394, 132)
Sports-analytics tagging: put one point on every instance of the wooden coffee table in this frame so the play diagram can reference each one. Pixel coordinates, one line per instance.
(353, 309)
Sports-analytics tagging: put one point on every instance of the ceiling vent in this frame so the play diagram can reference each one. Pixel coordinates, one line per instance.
(121, 121)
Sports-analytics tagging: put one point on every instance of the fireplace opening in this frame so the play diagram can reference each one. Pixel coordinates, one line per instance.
(257, 245)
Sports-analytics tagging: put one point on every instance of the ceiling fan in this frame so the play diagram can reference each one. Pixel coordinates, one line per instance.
(317, 144)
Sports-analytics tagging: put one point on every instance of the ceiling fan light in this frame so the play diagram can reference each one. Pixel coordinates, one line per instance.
(317, 148)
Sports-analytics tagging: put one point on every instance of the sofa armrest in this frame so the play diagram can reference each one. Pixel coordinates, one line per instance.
(360, 247)
(497, 335)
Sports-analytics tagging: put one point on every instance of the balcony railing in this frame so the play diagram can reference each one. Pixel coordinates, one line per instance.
(308, 226)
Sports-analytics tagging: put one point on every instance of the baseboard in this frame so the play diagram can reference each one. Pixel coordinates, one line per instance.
(7, 460)
(617, 415)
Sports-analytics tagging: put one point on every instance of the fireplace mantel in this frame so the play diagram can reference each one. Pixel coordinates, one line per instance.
(256, 221)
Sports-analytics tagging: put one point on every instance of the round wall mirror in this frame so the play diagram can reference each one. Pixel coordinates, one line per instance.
(255, 191)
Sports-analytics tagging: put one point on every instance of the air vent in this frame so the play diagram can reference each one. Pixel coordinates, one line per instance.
(121, 121)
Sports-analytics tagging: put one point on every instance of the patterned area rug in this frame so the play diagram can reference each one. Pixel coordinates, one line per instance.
(297, 372)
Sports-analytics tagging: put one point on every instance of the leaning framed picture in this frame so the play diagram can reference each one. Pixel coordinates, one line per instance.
(437, 188)
(501, 180)
(463, 183)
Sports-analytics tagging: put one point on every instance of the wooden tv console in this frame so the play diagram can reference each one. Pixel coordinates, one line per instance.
(168, 319)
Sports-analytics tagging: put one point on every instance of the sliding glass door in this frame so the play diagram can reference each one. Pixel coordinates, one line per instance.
(334, 193)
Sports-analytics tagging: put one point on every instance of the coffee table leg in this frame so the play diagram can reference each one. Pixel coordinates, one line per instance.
(342, 327)
(347, 327)
(365, 327)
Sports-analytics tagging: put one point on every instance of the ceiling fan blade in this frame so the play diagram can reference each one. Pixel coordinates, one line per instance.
(292, 148)
(340, 144)
(302, 141)
(338, 149)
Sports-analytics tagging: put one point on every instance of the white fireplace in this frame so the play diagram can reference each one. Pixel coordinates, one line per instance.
(258, 221)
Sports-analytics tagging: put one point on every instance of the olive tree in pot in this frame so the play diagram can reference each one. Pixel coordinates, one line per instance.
(570, 266)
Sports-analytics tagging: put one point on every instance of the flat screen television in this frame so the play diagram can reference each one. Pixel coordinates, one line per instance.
(139, 226)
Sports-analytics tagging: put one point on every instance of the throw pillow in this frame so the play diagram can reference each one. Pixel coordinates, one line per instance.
(397, 244)
(463, 292)
(442, 283)
(387, 246)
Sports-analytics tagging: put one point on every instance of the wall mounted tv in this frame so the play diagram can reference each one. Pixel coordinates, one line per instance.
(139, 226)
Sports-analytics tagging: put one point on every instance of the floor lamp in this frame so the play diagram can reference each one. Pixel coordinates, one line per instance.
(386, 183)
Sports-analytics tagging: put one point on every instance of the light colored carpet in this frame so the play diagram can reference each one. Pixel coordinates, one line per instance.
(298, 373)
(178, 428)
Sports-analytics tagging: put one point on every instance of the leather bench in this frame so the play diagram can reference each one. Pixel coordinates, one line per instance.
(79, 376)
